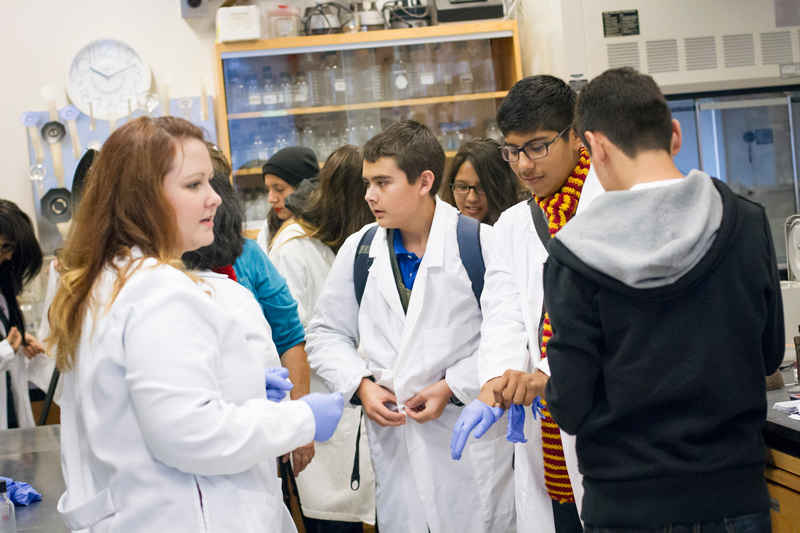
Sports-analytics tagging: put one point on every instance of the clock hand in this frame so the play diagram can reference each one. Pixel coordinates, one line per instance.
(120, 70)
(98, 72)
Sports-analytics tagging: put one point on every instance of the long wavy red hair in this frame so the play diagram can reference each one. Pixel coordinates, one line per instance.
(123, 206)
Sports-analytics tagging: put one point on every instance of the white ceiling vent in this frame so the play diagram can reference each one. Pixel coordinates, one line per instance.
(662, 56)
(701, 53)
(739, 50)
(776, 48)
(624, 55)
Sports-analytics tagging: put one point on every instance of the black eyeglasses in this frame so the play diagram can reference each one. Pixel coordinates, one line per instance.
(462, 188)
(533, 150)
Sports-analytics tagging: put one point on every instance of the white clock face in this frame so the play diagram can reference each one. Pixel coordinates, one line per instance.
(109, 74)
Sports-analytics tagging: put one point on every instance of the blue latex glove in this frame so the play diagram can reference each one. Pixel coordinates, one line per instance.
(478, 416)
(327, 409)
(277, 382)
(20, 493)
(516, 420)
(516, 423)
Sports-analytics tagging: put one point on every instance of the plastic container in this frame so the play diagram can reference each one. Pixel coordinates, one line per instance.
(283, 22)
(8, 522)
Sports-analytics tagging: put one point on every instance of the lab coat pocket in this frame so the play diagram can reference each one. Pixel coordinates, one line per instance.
(494, 479)
(443, 346)
(89, 513)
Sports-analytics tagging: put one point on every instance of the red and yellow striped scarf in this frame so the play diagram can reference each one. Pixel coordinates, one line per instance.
(559, 208)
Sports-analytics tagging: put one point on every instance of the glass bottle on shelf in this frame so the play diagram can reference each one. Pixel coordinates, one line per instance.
(465, 83)
(401, 85)
(285, 89)
(310, 68)
(337, 82)
(371, 83)
(446, 65)
(254, 101)
(352, 65)
(236, 91)
(424, 85)
(482, 65)
(326, 81)
(307, 137)
(302, 96)
(270, 92)
(492, 131)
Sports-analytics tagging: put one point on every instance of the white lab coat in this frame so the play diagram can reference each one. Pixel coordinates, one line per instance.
(245, 310)
(14, 363)
(165, 424)
(40, 368)
(324, 486)
(512, 307)
(418, 485)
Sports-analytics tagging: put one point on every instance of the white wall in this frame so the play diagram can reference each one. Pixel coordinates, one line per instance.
(38, 38)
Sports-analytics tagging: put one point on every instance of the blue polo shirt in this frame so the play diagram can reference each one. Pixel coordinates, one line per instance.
(407, 261)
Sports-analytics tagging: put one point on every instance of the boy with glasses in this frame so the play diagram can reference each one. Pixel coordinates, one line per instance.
(536, 120)
(666, 315)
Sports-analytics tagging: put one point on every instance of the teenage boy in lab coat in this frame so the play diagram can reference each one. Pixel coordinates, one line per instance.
(666, 314)
(418, 326)
(536, 119)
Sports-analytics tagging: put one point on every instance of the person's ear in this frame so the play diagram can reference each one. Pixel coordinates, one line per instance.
(677, 138)
(596, 147)
(425, 182)
(575, 142)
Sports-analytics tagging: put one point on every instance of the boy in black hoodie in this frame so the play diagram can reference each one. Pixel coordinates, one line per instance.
(666, 312)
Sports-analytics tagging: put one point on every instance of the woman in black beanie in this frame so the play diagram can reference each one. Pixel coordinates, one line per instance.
(283, 173)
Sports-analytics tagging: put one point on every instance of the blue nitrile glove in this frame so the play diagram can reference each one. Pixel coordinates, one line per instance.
(478, 416)
(20, 493)
(516, 420)
(327, 409)
(277, 382)
(516, 423)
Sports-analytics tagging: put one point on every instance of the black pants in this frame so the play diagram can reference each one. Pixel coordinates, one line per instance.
(566, 518)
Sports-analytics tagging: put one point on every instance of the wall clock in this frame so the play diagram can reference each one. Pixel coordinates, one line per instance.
(109, 74)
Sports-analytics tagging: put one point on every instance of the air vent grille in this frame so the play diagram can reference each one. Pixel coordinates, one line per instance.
(776, 48)
(624, 55)
(701, 53)
(739, 50)
(662, 56)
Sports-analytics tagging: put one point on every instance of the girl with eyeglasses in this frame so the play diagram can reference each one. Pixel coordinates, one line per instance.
(20, 262)
(481, 183)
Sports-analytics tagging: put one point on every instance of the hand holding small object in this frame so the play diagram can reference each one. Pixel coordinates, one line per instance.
(476, 416)
(277, 383)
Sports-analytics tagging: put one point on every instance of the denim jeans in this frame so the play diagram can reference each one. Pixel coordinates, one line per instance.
(750, 523)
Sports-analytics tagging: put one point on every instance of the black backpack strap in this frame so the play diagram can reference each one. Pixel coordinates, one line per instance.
(355, 477)
(468, 235)
(362, 262)
(540, 223)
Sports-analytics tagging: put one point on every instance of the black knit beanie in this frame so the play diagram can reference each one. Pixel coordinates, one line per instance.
(292, 165)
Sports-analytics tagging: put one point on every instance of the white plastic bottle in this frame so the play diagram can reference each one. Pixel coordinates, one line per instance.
(8, 521)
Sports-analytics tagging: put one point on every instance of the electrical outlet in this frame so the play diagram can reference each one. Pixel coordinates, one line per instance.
(194, 8)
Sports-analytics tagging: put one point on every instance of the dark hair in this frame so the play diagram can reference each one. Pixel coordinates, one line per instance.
(228, 222)
(502, 187)
(25, 263)
(628, 108)
(337, 209)
(537, 103)
(414, 148)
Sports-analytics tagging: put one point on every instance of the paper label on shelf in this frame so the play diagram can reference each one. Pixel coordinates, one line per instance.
(339, 86)
(302, 95)
(270, 99)
(254, 99)
(401, 82)
(426, 78)
(466, 77)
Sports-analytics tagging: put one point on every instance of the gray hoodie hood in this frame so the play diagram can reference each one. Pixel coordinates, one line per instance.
(650, 237)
